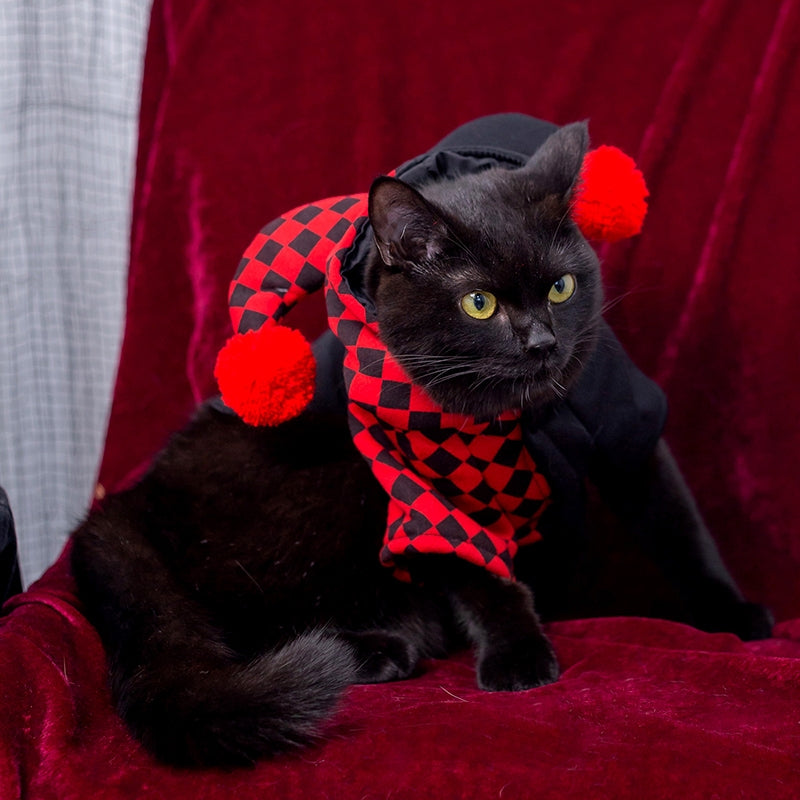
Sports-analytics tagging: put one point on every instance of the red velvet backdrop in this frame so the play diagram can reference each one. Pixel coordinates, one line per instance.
(250, 108)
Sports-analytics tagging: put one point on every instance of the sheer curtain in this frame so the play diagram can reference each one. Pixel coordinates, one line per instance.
(70, 72)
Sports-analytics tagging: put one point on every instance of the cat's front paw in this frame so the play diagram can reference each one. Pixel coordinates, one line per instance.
(749, 621)
(382, 655)
(516, 666)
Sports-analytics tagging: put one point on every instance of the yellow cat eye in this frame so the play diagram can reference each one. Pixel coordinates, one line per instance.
(562, 289)
(479, 305)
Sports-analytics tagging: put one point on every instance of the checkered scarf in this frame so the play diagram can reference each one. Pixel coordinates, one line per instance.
(455, 485)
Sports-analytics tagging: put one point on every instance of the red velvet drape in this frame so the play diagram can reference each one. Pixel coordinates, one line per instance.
(251, 108)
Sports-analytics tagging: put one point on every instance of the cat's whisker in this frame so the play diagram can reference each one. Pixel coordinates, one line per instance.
(476, 384)
(420, 359)
(559, 389)
(567, 213)
(441, 378)
(459, 243)
(434, 359)
(447, 364)
(608, 305)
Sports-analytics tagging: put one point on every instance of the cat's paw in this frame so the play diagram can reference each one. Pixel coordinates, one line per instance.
(524, 664)
(749, 621)
(382, 656)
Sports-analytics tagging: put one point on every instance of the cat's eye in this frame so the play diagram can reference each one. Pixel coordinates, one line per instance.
(562, 289)
(479, 305)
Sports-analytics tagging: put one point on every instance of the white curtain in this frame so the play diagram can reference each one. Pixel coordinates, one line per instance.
(70, 72)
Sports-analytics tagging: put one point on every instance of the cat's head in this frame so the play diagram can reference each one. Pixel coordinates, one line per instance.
(485, 291)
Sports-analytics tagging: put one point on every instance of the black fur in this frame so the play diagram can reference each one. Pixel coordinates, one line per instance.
(507, 232)
(237, 587)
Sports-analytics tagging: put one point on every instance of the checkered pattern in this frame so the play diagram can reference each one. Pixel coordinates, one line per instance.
(286, 260)
(456, 485)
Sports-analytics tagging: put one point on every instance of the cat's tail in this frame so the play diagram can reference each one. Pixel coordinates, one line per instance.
(179, 687)
(231, 714)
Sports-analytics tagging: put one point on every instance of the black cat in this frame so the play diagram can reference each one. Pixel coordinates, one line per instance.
(237, 587)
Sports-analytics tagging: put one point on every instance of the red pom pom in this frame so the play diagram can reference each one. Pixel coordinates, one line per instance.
(266, 376)
(610, 202)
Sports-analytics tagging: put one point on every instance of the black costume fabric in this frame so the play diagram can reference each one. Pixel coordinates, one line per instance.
(10, 581)
(456, 485)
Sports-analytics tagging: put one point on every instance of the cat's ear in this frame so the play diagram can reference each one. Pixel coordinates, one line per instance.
(408, 229)
(556, 165)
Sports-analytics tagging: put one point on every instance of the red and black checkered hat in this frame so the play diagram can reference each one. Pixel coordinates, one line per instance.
(266, 371)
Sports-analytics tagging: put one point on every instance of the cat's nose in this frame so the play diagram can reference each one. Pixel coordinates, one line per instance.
(540, 340)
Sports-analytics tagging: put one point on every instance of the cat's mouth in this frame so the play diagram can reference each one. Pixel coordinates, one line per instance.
(497, 388)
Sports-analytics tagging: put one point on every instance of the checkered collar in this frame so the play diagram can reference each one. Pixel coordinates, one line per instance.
(456, 484)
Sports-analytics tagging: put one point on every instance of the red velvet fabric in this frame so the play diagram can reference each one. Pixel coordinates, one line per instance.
(250, 109)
